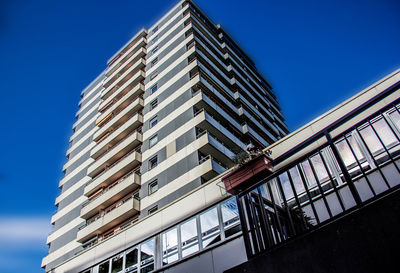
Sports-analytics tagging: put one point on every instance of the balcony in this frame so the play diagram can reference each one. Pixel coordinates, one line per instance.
(114, 98)
(209, 123)
(115, 153)
(114, 172)
(116, 107)
(134, 49)
(135, 60)
(125, 86)
(214, 147)
(111, 194)
(114, 122)
(113, 217)
(248, 130)
(211, 168)
(119, 133)
(249, 117)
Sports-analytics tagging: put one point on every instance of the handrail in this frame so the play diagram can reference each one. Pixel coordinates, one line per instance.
(112, 165)
(116, 128)
(110, 208)
(109, 187)
(117, 143)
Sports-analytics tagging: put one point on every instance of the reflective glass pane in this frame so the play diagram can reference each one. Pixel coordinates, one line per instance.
(297, 181)
(384, 132)
(189, 237)
(210, 227)
(371, 139)
(147, 250)
(104, 267)
(147, 269)
(345, 153)
(395, 117)
(319, 168)
(287, 188)
(170, 246)
(131, 257)
(116, 264)
(308, 173)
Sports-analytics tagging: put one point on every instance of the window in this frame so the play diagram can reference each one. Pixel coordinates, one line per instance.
(154, 40)
(154, 88)
(209, 224)
(153, 209)
(153, 187)
(153, 140)
(153, 122)
(170, 246)
(189, 238)
(116, 263)
(153, 162)
(153, 104)
(154, 61)
(147, 253)
(131, 258)
(153, 75)
(104, 267)
(154, 30)
(154, 50)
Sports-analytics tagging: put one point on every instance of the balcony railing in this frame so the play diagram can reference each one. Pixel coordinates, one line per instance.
(106, 189)
(137, 150)
(354, 167)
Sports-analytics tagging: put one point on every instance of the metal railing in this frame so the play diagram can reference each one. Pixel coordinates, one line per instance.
(351, 170)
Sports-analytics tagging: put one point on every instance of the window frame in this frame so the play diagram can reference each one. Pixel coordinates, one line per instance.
(153, 160)
(151, 186)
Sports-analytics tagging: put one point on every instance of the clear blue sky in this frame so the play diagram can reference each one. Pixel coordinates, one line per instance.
(315, 54)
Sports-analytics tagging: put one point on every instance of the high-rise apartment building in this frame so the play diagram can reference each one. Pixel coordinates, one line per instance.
(173, 108)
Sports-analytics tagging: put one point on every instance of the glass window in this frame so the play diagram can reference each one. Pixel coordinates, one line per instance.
(104, 267)
(153, 104)
(153, 140)
(131, 258)
(230, 217)
(155, 49)
(154, 61)
(153, 209)
(210, 232)
(153, 122)
(170, 246)
(147, 256)
(154, 30)
(287, 188)
(153, 187)
(153, 162)
(155, 39)
(153, 76)
(297, 181)
(116, 264)
(154, 88)
(189, 239)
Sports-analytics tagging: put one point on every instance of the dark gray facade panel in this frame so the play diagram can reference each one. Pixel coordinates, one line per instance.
(71, 197)
(81, 146)
(165, 39)
(74, 179)
(164, 21)
(90, 106)
(168, 61)
(170, 127)
(171, 173)
(65, 219)
(171, 197)
(78, 162)
(86, 119)
(164, 52)
(64, 239)
(163, 95)
(169, 108)
(84, 132)
(185, 139)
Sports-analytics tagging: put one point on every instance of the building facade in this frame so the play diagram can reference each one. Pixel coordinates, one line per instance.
(172, 110)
